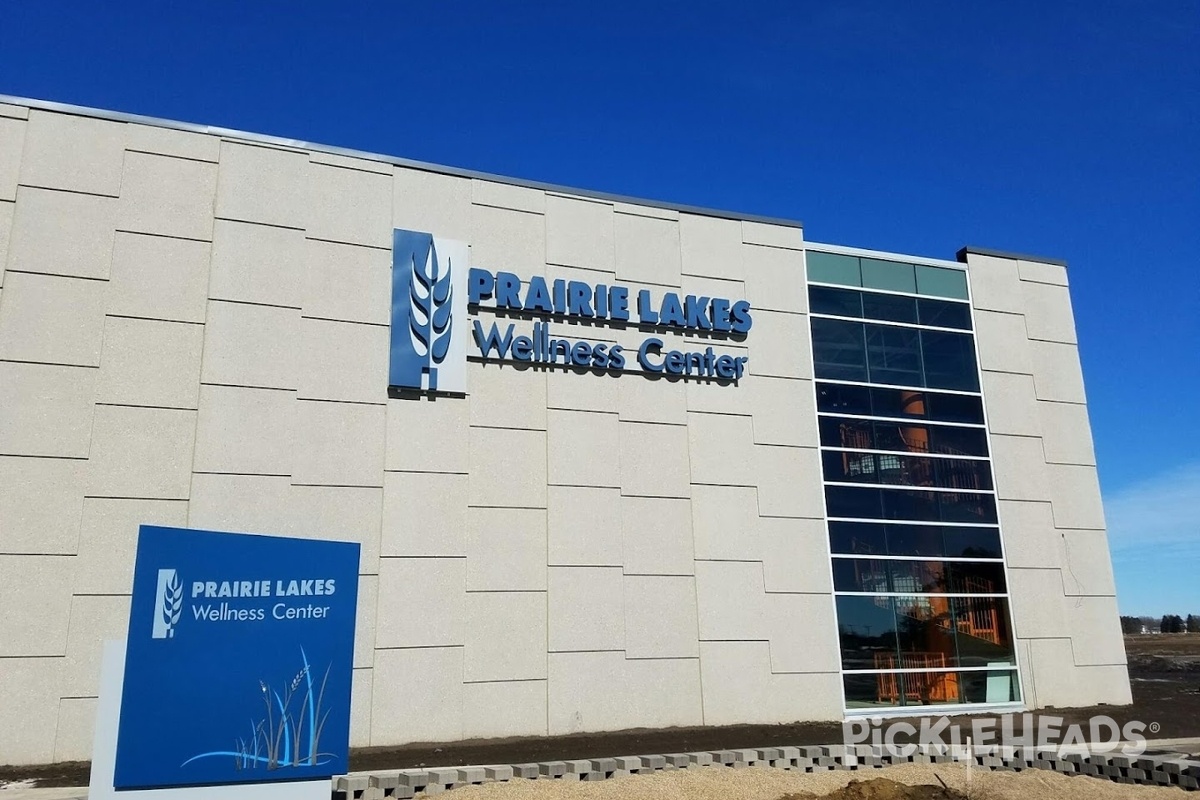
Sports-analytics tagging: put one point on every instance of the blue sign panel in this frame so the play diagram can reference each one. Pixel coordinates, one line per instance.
(239, 658)
(429, 309)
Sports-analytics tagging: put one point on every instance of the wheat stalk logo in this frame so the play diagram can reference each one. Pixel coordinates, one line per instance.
(172, 604)
(430, 295)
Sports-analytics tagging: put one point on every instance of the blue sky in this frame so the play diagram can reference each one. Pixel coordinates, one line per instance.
(1068, 129)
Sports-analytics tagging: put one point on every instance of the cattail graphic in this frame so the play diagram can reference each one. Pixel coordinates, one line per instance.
(429, 322)
(172, 604)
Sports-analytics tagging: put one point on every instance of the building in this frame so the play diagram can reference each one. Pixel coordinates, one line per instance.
(865, 483)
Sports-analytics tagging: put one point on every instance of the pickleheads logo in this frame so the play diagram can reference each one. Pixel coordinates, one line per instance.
(429, 313)
(168, 604)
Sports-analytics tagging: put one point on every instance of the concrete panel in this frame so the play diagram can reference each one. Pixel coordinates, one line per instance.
(167, 142)
(1057, 374)
(739, 688)
(511, 241)
(506, 549)
(417, 695)
(345, 361)
(504, 708)
(784, 411)
(579, 233)
(376, 165)
(803, 633)
(775, 279)
(789, 482)
(167, 196)
(52, 320)
(1048, 314)
(42, 631)
(41, 504)
(584, 526)
(584, 392)
(1087, 564)
(141, 452)
(581, 691)
(586, 609)
(263, 184)
(93, 620)
(76, 727)
(342, 513)
(580, 447)
(247, 345)
(730, 601)
(1002, 344)
(61, 233)
(361, 692)
(1037, 603)
(508, 468)
(347, 283)
(6, 223)
(995, 284)
(12, 143)
(657, 536)
(150, 363)
(1019, 468)
(424, 514)
(31, 695)
(258, 264)
(725, 524)
(422, 603)
(721, 449)
(246, 503)
(1075, 497)
(764, 233)
(790, 555)
(662, 692)
(156, 277)
(1027, 529)
(1067, 434)
(645, 211)
(654, 460)
(1096, 628)
(427, 201)
(245, 431)
(645, 400)
(79, 154)
(716, 398)
(508, 397)
(711, 247)
(427, 435)
(505, 636)
(647, 250)
(1041, 272)
(14, 111)
(507, 195)
(1011, 404)
(350, 206)
(780, 346)
(47, 410)
(660, 617)
(339, 444)
(1057, 684)
(108, 540)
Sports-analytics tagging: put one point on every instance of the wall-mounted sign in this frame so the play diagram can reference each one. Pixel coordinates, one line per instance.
(238, 662)
(433, 290)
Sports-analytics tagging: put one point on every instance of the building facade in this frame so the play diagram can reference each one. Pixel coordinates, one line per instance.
(612, 463)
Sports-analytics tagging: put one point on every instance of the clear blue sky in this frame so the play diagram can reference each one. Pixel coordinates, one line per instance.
(1068, 129)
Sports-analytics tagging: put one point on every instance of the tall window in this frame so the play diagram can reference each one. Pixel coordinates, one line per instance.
(918, 570)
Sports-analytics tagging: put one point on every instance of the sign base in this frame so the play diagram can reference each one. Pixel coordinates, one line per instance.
(104, 754)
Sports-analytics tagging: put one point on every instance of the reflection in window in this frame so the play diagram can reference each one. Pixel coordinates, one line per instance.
(894, 355)
(839, 350)
(950, 360)
(929, 541)
(906, 504)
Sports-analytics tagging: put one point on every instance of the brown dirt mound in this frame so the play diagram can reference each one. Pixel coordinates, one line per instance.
(882, 789)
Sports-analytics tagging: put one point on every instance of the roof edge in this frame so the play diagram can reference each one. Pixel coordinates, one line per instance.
(986, 251)
(120, 116)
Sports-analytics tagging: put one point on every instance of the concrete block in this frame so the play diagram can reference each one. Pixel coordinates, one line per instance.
(40, 504)
(346, 283)
(61, 233)
(1066, 433)
(1037, 603)
(700, 759)
(584, 526)
(507, 195)
(48, 410)
(344, 361)
(424, 514)
(1018, 463)
(721, 449)
(156, 277)
(579, 767)
(248, 345)
(657, 536)
(75, 153)
(552, 769)
(1101, 643)
(653, 762)
(506, 549)
(654, 460)
(526, 771)
(784, 411)
(52, 319)
(508, 468)
(422, 603)
(428, 201)
(1030, 539)
(245, 431)
(780, 346)
(586, 609)
(512, 241)
(1075, 496)
(107, 538)
(426, 435)
(647, 250)
(1089, 572)
(150, 363)
(498, 773)
(339, 444)
(1012, 405)
(34, 689)
(643, 399)
(505, 708)
(1056, 372)
(995, 284)
(509, 397)
(1002, 342)
(725, 523)
(42, 630)
(786, 479)
(141, 452)
(254, 263)
(788, 548)
(167, 196)
(167, 142)
(711, 247)
(93, 620)
(76, 727)
(350, 206)
(12, 143)
(775, 279)
(802, 632)
(579, 233)
(660, 617)
(263, 184)
(605, 765)
(1048, 315)
(767, 234)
